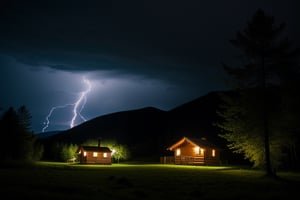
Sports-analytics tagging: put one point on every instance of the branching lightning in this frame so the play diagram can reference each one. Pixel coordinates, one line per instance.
(78, 106)
(47, 122)
(81, 101)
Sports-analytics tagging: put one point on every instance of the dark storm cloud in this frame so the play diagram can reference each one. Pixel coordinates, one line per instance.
(171, 49)
(120, 28)
(126, 35)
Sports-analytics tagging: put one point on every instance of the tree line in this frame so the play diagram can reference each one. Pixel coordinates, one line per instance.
(19, 143)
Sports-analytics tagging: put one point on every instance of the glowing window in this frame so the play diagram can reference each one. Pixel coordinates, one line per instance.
(213, 153)
(104, 155)
(196, 150)
(84, 153)
(95, 154)
(201, 152)
(177, 152)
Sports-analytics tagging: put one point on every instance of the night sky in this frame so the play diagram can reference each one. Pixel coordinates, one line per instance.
(134, 54)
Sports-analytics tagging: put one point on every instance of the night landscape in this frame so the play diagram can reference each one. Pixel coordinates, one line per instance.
(150, 99)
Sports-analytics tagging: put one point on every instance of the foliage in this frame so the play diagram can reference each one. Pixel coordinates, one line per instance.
(253, 113)
(243, 129)
(120, 152)
(68, 151)
(63, 152)
(20, 142)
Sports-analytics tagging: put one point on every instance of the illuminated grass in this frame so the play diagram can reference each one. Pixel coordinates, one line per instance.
(148, 181)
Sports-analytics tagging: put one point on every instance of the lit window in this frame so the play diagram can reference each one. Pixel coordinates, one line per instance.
(104, 155)
(95, 154)
(213, 153)
(84, 153)
(201, 152)
(196, 150)
(177, 152)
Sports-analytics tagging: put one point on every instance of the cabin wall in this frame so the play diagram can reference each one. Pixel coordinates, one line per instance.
(210, 159)
(187, 149)
(188, 155)
(99, 159)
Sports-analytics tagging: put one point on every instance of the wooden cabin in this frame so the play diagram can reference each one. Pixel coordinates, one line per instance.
(194, 151)
(94, 155)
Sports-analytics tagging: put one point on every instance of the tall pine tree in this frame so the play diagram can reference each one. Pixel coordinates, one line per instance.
(252, 114)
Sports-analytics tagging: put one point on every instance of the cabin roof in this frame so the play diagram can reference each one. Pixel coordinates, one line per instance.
(195, 141)
(94, 149)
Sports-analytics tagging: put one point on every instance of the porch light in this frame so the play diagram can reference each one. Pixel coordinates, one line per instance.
(113, 151)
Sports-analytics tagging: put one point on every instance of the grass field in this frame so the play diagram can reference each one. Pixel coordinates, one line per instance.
(48, 180)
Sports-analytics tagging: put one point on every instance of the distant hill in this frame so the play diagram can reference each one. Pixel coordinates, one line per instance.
(46, 134)
(149, 131)
(196, 118)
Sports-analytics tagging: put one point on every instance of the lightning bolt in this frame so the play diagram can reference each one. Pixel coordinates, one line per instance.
(47, 122)
(78, 106)
(82, 101)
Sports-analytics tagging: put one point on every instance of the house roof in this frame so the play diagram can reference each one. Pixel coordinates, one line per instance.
(195, 141)
(94, 149)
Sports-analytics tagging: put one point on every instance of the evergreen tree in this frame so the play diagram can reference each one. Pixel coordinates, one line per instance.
(19, 141)
(9, 130)
(24, 118)
(252, 114)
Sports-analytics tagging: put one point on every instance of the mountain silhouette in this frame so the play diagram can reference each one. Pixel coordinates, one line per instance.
(149, 131)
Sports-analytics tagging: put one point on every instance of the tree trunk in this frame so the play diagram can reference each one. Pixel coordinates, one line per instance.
(269, 171)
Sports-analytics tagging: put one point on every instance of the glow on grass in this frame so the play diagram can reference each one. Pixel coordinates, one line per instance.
(140, 166)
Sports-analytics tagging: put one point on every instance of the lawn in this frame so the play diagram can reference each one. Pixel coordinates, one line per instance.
(48, 180)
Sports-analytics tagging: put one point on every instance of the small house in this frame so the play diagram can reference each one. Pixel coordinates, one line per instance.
(94, 155)
(194, 151)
